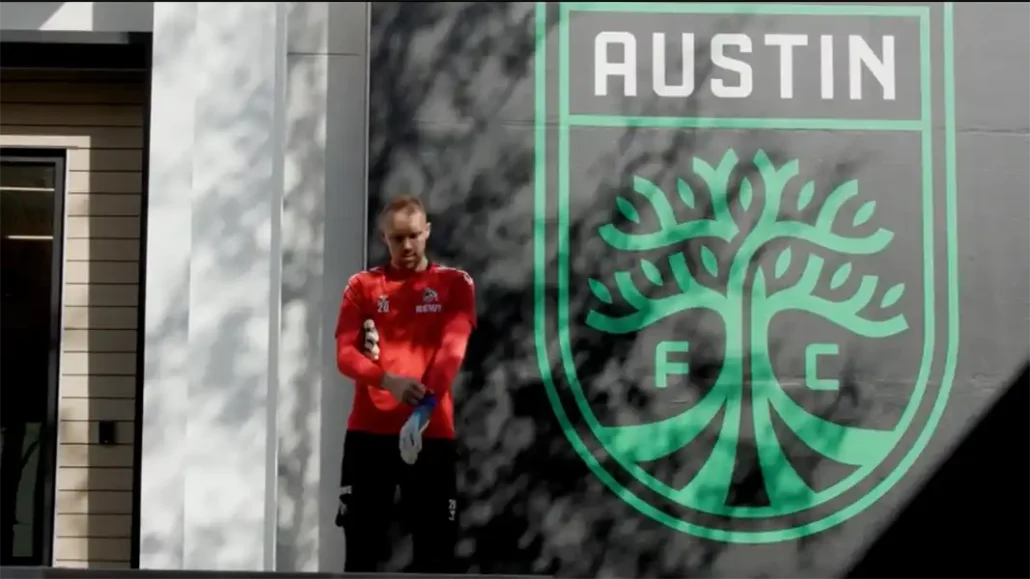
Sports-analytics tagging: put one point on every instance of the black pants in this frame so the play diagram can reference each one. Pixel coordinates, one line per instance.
(371, 472)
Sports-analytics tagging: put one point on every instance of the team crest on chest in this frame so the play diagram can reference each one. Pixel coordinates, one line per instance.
(430, 302)
(384, 304)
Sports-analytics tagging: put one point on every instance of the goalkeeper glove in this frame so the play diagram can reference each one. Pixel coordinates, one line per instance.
(411, 432)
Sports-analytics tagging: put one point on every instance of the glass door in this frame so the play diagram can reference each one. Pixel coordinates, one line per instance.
(31, 218)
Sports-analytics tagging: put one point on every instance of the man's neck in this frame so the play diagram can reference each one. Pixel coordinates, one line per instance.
(422, 266)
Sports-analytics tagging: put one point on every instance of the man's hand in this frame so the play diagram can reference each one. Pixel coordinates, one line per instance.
(406, 390)
(370, 340)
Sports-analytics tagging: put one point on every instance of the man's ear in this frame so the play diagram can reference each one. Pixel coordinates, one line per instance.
(429, 229)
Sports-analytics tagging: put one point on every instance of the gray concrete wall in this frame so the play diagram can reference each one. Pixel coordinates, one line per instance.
(323, 245)
(466, 112)
(214, 239)
(240, 464)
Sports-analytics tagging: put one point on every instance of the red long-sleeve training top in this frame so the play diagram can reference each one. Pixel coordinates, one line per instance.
(424, 320)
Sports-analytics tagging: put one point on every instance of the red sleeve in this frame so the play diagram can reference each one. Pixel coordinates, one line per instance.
(349, 359)
(458, 322)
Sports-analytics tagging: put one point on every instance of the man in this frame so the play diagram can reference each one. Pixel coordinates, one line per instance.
(423, 315)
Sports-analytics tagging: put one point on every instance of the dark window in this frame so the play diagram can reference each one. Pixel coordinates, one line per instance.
(31, 215)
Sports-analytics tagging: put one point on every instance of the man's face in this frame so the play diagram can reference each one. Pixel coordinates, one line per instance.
(405, 233)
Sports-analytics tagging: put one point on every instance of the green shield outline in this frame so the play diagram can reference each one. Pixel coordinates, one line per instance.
(540, 234)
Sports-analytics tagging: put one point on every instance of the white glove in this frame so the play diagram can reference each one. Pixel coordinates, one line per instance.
(370, 343)
(411, 432)
(411, 439)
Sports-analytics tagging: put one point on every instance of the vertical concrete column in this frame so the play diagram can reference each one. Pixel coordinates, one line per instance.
(169, 219)
(212, 383)
(323, 244)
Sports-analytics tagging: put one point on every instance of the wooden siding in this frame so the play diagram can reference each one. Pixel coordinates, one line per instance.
(98, 119)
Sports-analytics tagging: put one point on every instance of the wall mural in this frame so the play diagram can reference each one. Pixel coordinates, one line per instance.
(717, 255)
(762, 241)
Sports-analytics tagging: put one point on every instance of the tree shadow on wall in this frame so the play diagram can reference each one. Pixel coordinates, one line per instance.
(451, 119)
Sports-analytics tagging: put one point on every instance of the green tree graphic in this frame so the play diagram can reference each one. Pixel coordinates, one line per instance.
(861, 447)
